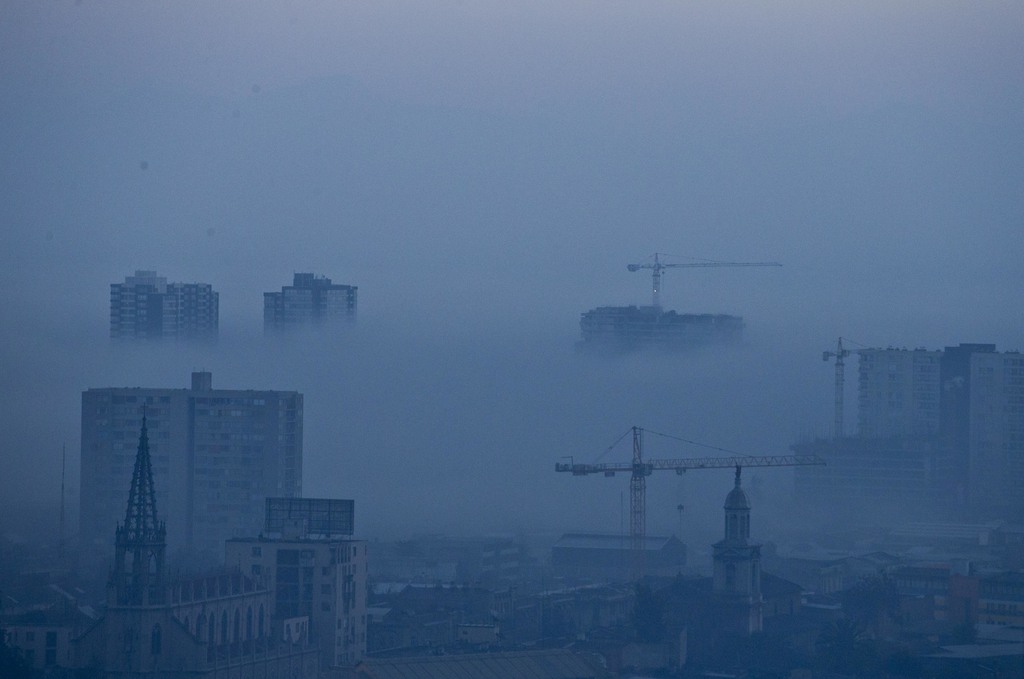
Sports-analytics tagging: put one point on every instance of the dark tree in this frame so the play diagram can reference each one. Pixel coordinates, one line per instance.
(872, 601)
(843, 647)
(12, 664)
(648, 615)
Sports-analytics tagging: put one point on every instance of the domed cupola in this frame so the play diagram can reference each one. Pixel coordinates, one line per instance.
(737, 513)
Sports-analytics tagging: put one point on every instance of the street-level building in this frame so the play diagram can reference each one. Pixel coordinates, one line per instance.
(316, 570)
(213, 625)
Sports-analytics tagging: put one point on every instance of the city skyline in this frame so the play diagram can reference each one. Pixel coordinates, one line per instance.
(485, 189)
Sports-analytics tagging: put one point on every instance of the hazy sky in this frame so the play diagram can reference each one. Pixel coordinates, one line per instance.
(484, 172)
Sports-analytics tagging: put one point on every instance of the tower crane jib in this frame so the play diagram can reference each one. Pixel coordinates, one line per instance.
(658, 267)
(640, 469)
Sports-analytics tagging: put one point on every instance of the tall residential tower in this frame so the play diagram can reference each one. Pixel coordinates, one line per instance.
(216, 456)
(147, 306)
(309, 300)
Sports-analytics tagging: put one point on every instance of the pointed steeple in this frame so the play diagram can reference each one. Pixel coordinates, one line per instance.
(140, 542)
(140, 522)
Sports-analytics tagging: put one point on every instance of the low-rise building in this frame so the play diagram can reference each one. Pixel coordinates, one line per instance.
(308, 558)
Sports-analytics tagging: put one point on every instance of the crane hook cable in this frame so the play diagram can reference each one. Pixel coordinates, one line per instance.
(702, 445)
(617, 442)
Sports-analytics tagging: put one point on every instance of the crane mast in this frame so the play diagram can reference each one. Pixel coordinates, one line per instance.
(640, 469)
(658, 267)
(839, 354)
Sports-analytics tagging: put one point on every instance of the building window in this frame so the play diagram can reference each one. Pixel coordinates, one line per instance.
(155, 642)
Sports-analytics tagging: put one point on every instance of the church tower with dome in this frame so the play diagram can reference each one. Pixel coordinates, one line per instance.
(737, 568)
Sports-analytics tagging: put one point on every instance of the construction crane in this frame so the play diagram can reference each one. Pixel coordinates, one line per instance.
(657, 267)
(640, 469)
(839, 354)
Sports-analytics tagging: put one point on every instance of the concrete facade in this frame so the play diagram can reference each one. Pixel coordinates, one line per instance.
(217, 455)
(996, 432)
(309, 300)
(315, 574)
(898, 393)
(939, 431)
(147, 306)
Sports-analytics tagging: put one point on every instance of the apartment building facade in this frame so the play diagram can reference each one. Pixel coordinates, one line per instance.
(217, 455)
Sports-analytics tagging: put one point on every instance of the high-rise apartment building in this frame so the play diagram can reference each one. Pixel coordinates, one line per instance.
(308, 558)
(147, 306)
(938, 429)
(217, 454)
(309, 299)
(898, 394)
(996, 432)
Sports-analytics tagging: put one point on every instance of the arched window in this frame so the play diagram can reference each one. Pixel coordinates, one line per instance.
(200, 626)
(187, 627)
(212, 630)
(248, 624)
(224, 627)
(261, 621)
(237, 627)
(155, 642)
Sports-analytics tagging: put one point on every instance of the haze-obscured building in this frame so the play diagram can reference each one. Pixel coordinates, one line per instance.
(588, 556)
(939, 431)
(309, 300)
(308, 558)
(628, 328)
(217, 455)
(898, 393)
(147, 306)
(217, 624)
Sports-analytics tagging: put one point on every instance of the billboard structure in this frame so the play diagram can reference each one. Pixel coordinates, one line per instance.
(310, 517)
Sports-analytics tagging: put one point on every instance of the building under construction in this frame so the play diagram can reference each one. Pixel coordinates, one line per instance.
(627, 328)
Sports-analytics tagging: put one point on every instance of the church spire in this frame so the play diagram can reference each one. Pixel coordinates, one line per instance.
(141, 541)
(737, 513)
(737, 567)
(140, 522)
